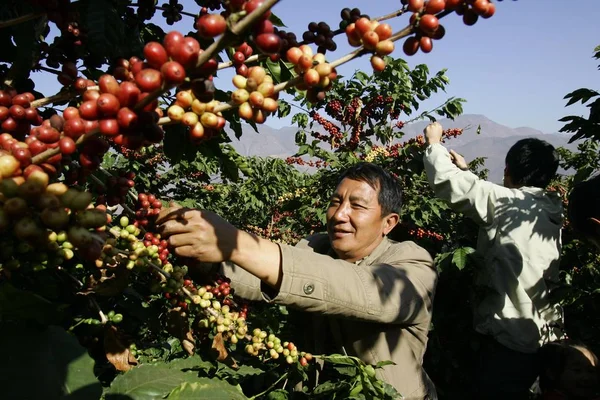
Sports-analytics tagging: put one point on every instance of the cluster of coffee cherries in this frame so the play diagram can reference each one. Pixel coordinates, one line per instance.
(68, 75)
(255, 95)
(426, 24)
(272, 346)
(373, 36)
(317, 74)
(239, 57)
(17, 254)
(376, 152)
(421, 233)
(202, 118)
(155, 244)
(31, 209)
(115, 189)
(452, 133)
(321, 35)
(16, 113)
(336, 136)
(125, 248)
(288, 39)
(349, 16)
(147, 208)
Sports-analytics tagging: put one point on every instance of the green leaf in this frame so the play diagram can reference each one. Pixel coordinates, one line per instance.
(274, 68)
(582, 95)
(25, 40)
(330, 387)
(204, 388)
(382, 364)
(150, 381)
(45, 364)
(242, 372)
(339, 359)
(21, 305)
(459, 258)
(192, 363)
(278, 394)
(105, 28)
(301, 119)
(276, 21)
(177, 146)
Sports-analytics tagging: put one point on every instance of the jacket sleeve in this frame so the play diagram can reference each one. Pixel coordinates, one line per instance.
(246, 285)
(398, 290)
(463, 190)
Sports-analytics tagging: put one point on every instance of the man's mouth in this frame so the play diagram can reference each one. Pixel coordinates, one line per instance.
(339, 233)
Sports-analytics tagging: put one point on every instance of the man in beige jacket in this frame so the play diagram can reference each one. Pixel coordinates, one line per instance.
(519, 247)
(369, 296)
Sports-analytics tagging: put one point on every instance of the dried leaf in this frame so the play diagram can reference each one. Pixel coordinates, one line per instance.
(178, 326)
(116, 351)
(108, 285)
(188, 346)
(219, 345)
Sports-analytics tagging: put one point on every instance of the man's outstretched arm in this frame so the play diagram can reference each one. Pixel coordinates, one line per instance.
(208, 238)
(453, 182)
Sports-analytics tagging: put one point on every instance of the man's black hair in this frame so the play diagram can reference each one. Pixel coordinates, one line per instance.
(390, 194)
(532, 162)
(583, 205)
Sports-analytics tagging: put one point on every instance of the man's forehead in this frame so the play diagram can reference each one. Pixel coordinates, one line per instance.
(356, 190)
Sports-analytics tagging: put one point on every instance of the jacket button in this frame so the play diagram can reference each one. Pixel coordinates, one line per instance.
(309, 288)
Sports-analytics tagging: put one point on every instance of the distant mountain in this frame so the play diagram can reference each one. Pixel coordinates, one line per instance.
(492, 142)
(267, 142)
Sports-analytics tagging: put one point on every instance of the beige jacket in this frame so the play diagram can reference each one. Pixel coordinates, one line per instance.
(519, 247)
(378, 308)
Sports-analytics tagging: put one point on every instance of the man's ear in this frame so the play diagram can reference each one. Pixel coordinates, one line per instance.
(595, 221)
(390, 221)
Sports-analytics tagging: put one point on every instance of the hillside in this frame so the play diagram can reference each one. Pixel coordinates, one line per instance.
(493, 141)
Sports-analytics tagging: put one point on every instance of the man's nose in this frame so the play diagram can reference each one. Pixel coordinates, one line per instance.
(341, 212)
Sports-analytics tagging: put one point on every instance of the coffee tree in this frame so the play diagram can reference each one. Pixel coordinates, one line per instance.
(139, 121)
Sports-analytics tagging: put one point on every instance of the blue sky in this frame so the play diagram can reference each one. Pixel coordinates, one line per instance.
(515, 68)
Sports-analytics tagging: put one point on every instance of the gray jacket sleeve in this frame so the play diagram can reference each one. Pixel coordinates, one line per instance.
(463, 190)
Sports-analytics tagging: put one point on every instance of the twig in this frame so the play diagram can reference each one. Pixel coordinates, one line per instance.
(164, 9)
(103, 318)
(284, 376)
(97, 181)
(19, 20)
(395, 14)
(58, 97)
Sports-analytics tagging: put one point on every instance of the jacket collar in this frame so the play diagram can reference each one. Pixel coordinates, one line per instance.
(375, 254)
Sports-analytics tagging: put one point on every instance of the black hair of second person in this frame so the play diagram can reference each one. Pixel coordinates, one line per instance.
(532, 162)
(553, 359)
(583, 205)
(390, 193)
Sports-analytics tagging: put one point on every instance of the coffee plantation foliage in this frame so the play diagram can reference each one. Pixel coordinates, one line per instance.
(92, 303)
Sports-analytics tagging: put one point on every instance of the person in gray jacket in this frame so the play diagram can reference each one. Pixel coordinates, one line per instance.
(519, 247)
(362, 293)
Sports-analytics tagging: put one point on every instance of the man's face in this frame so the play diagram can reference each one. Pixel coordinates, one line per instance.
(354, 221)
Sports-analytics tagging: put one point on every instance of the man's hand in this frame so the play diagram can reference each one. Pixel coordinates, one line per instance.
(433, 133)
(204, 236)
(199, 235)
(459, 160)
